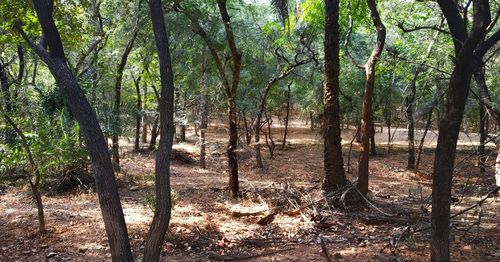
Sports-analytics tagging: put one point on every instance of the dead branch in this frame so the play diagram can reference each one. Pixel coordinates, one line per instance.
(218, 257)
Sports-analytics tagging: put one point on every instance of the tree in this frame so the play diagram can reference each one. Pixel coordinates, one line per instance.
(333, 161)
(115, 149)
(470, 47)
(107, 189)
(163, 204)
(366, 114)
(230, 85)
(203, 108)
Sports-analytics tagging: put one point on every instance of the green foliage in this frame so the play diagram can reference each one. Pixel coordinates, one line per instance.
(149, 200)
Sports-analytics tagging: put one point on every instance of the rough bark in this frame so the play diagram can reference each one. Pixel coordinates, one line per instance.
(332, 153)
(161, 219)
(107, 189)
(468, 56)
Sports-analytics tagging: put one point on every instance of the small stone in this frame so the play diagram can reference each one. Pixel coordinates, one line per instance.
(362, 244)
(51, 254)
(134, 188)
(337, 255)
(26, 252)
(467, 248)
(44, 246)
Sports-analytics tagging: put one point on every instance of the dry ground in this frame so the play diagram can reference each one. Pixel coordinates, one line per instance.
(206, 226)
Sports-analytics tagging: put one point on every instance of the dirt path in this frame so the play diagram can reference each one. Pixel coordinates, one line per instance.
(204, 226)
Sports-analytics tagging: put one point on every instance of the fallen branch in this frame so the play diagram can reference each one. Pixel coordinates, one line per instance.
(326, 255)
(218, 257)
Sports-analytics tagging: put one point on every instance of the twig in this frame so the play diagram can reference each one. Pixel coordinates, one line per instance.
(327, 256)
(218, 257)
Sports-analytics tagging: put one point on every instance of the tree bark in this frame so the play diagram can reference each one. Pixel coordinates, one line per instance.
(287, 117)
(333, 162)
(203, 108)
(144, 136)
(230, 89)
(421, 145)
(366, 115)
(107, 189)
(138, 116)
(373, 146)
(469, 55)
(248, 133)
(163, 205)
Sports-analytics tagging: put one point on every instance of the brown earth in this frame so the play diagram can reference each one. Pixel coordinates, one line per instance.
(208, 225)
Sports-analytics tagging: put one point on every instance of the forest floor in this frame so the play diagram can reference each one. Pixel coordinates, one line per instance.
(207, 225)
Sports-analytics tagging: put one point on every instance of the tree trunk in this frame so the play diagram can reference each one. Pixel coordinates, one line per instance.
(269, 137)
(144, 137)
(421, 145)
(373, 149)
(468, 55)
(203, 108)
(366, 115)
(163, 205)
(4, 81)
(411, 125)
(107, 189)
(36, 185)
(287, 117)
(138, 116)
(248, 133)
(115, 148)
(332, 152)
(230, 89)
(482, 138)
(154, 133)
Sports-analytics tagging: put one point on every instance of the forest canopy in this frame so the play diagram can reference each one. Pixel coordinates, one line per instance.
(249, 129)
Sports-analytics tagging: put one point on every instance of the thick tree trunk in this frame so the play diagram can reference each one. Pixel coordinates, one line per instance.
(107, 189)
(332, 152)
(469, 51)
(163, 205)
(449, 128)
(366, 115)
(287, 117)
(115, 148)
(203, 109)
